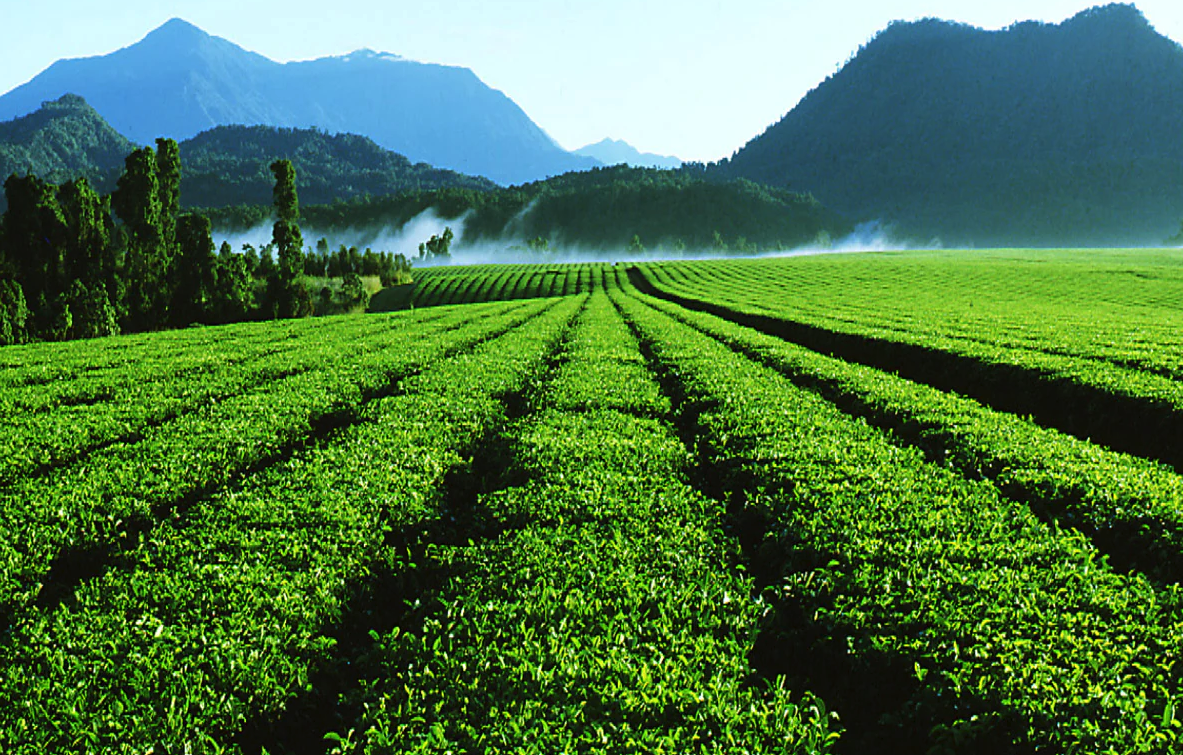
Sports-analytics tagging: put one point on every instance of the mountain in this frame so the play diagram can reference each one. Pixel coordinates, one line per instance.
(616, 152)
(63, 140)
(179, 81)
(227, 165)
(1036, 134)
(230, 165)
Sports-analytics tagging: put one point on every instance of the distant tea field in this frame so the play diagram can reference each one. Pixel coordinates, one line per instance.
(921, 502)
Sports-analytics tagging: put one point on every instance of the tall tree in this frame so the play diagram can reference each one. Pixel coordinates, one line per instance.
(90, 256)
(289, 244)
(34, 238)
(168, 176)
(137, 202)
(14, 313)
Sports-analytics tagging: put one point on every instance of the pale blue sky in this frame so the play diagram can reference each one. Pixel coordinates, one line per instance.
(693, 78)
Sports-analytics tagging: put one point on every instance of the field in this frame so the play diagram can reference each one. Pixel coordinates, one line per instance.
(891, 503)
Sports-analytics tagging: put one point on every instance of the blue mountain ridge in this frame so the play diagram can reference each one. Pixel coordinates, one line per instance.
(617, 152)
(179, 81)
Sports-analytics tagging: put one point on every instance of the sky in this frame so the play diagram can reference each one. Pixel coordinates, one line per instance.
(692, 78)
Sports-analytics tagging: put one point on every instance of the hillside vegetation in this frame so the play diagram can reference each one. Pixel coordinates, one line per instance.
(602, 209)
(227, 165)
(63, 140)
(1038, 134)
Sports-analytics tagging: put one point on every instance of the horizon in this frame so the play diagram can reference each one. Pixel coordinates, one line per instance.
(730, 86)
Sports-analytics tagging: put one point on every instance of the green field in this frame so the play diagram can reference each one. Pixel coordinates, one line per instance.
(865, 503)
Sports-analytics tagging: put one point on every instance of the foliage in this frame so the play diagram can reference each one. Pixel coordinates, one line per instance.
(1039, 134)
(437, 247)
(778, 550)
(14, 312)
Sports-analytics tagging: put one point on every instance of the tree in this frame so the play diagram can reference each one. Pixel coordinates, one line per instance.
(168, 173)
(718, 244)
(90, 256)
(35, 232)
(437, 246)
(194, 274)
(137, 202)
(635, 246)
(86, 312)
(233, 295)
(14, 313)
(289, 243)
(353, 294)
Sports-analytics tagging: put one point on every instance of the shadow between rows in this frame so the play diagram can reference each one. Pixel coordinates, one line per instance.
(1141, 427)
(1130, 545)
(876, 694)
(77, 564)
(399, 592)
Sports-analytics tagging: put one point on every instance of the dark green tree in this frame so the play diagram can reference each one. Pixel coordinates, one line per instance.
(146, 264)
(233, 298)
(353, 294)
(90, 255)
(194, 271)
(86, 312)
(288, 297)
(168, 176)
(438, 247)
(35, 231)
(14, 313)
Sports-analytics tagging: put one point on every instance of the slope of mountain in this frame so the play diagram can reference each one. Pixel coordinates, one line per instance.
(63, 140)
(227, 165)
(616, 152)
(1037, 134)
(230, 165)
(179, 81)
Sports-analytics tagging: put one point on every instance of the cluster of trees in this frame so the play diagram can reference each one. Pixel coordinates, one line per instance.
(70, 271)
(390, 269)
(77, 264)
(438, 247)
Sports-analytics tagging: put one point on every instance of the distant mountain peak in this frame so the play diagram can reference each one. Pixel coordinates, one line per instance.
(1126, 12)
(176, 32)
(67, 103)
(179, 81)
(366, 53)
(616, 152)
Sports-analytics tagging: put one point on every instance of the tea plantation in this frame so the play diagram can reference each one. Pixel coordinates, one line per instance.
(873, 503)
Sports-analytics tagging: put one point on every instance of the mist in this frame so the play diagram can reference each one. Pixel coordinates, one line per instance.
(510, 248)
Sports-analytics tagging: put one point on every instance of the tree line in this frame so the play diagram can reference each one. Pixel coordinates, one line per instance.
(604, 208)
(77, 264)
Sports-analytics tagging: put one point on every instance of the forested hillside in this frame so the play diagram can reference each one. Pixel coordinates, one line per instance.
(228, 165)
(63, 140)
(1038, 134)
(606, 208)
